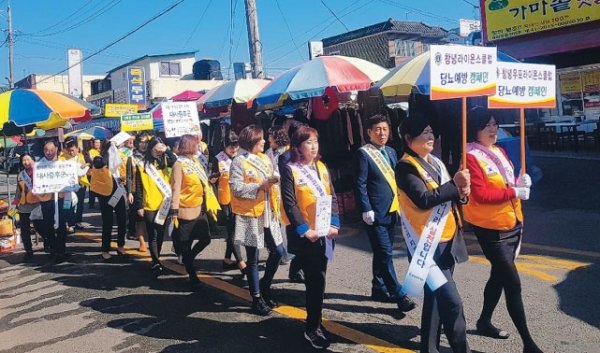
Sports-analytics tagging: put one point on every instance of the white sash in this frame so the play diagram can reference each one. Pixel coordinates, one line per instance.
(165, 189)
(493, 160)
(423, 268)
(196, 168)
(259, 164)
(27, 180)
(386, 170)
(116, 196)
(225, 161)
(323, 209)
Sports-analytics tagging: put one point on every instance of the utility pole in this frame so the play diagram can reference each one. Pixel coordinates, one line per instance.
(11, 63)
(254, 44)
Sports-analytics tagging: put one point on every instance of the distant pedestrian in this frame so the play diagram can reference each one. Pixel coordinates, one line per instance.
(494, 210)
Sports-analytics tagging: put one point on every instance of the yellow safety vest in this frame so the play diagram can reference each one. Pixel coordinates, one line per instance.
(27, 197)
(192, 190)
(305, 198)
(152, 198)
(254, 207)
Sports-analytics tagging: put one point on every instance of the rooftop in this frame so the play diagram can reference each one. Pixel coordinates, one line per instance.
(390, 25)
(152, 56)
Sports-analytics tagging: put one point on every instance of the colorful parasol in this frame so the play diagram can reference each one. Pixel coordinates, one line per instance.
(94, 132)
(47, 109)
(311, 78)
(239, 91)
(414, 73)
(185, 96)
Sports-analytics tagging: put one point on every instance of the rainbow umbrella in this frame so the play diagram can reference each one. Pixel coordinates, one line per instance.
(47, 109)
(311, 78)
(238, 91)
(413, 73)
(94, 132)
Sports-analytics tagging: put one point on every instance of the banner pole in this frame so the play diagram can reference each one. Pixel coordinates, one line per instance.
(464, 133)
(522, 131)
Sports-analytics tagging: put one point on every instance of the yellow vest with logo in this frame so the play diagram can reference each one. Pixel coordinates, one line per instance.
(27, 197)
(223, 188)
(102, 181)
(192, 190)
(498, 216)
(152, 197)
(305, 198)
(253, 207)
(418, 217)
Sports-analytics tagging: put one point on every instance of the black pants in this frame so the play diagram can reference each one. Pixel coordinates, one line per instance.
(443, 308)
(314, 264)
(107, 221)
(57, 238)
(186, 233)
(156, 234)
(384, 280)
(231, 248)
(25, 225)
(133, 218)
(293, 240)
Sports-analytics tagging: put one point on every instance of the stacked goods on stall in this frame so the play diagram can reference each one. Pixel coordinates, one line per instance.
(8, 235)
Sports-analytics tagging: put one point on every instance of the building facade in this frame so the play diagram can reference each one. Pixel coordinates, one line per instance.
(57, 83)
(388, 43)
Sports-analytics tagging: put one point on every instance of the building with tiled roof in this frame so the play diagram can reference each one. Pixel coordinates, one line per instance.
(386, 43)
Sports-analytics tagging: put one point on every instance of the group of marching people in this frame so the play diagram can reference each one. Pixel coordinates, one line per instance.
(287, 192)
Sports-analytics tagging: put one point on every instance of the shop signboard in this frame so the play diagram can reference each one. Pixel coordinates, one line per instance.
(116, 110)
(512, 18)
(467, 27)
(137, 122)
(591, 88)
(136, 86)
(524, 86)
(74, 73)
(180, 118)
(57, 176)
(101, 99)
(462, 71)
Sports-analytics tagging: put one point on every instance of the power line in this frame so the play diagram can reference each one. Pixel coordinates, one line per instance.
(197, 24)
(53, 45)
(475, 6)
(333, 13)
(419, 11)
(289, 30)
(160, 14)
(64, 19)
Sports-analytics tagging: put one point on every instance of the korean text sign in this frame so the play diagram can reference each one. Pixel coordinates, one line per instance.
(136, 86)
(180, 118)
(116, 110)
(49, 177)
(462, 71)
(511, 18)
(524, 86)
(137, 122)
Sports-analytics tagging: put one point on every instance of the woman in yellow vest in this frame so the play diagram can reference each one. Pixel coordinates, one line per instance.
(494, 210)
(303, 181)
(109, 173)
(152, 197)
(71, 152)
(432, 231)
(221, 164)
(25, 201)
(255, 203)
(192, 199)
(93, 152)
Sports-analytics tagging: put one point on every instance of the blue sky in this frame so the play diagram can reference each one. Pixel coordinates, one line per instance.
(47, 28)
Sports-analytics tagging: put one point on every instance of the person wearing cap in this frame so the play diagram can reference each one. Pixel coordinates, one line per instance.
(377, 198)
(431, 227)
(494, 210)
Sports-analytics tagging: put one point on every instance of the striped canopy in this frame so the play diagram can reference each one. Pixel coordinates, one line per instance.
(239, 91)
(311, 78)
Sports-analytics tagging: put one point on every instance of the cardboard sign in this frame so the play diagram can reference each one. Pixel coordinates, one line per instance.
(180, 118)
(58, 176)
(524, 86)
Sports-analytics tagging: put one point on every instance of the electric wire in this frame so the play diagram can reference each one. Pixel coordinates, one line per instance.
(289, 30)
(334, 15)
(155, 17)
(61, 22)
(197, 24)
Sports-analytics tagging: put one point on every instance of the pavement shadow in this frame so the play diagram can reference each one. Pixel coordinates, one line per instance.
(578, 295)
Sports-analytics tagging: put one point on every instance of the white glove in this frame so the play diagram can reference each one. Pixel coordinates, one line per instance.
(522, 193)
(369, 217)
(524, 181)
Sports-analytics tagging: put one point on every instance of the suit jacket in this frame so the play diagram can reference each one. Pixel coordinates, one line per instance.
(410, 182)
(372, 191)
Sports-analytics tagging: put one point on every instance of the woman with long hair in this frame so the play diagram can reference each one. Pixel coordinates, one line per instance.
(193, 198)
(304, 182)
(25, 202)
(255, 202)
(152, 198)
(494, 210)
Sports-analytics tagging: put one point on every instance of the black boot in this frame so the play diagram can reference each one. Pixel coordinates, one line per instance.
(259, 307)
(265, 291)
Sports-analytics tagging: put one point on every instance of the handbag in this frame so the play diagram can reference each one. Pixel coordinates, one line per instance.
(36, 214)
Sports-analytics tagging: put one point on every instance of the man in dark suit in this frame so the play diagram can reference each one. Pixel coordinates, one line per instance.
(376, 195)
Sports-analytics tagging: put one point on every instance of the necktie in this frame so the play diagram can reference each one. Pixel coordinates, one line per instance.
(386, 156)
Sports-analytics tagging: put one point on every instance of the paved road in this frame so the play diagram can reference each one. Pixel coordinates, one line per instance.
(86, 305)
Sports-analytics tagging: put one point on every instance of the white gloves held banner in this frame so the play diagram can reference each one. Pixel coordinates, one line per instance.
(522, 193)
(524, 181)
(368, 217)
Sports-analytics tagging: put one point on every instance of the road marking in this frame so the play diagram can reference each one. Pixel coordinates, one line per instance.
(340, 330)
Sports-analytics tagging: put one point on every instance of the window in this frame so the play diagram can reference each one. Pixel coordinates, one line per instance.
(425, 47)
(405, 47)
(168, 68)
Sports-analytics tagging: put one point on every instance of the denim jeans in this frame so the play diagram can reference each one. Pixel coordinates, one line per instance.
(252, 253)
